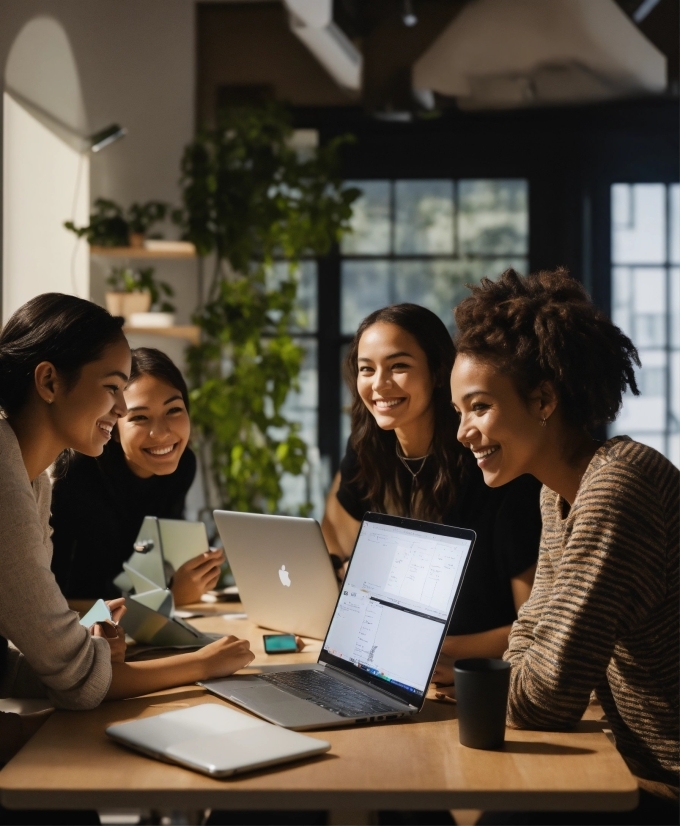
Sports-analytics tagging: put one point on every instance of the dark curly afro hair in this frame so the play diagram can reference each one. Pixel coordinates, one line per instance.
(544, 327)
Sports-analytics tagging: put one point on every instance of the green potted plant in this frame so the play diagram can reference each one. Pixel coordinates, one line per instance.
(111, 226)
(134, 291)
(248, 199)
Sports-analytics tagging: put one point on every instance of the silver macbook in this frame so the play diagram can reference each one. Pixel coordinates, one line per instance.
(215, 740)
(388, 627)
(282, 569)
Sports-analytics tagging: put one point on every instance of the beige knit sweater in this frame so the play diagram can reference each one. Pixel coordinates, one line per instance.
(59, 659)
(603, 612)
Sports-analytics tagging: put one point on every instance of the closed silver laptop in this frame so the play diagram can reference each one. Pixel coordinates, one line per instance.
(283, 571)
(383, 642)
(215, 740)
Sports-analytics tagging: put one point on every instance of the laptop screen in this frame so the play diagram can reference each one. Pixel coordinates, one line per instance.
(396, 602)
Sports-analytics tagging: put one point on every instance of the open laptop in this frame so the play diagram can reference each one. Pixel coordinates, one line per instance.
(387, 630)
(283, 571)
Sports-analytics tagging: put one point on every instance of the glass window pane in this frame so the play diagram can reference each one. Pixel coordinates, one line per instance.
(305, 274)
(302, 406)
(622, 299)
(370, 220)
(493, 217)
(645, 413)
(440, 285)
(638, 223)
(424, 217)
(675, 307)
(674, 196)
(648, 307)
(365, 288)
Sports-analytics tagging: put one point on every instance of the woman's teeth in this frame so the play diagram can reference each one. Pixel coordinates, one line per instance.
(107, 428)
(386, 404)
(160, 451)
(482, 454)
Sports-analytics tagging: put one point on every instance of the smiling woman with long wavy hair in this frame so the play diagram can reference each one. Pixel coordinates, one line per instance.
(403, 458)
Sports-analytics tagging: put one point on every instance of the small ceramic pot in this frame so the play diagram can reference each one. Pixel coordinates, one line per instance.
(119, 303)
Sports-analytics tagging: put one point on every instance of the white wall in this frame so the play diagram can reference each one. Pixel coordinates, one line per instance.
(135, 63)
(40, 180)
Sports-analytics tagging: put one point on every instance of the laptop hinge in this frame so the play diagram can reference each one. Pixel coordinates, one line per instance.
(377, 688)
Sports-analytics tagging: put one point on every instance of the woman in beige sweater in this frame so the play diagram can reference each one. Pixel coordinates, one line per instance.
(538, 372)
(63, 365)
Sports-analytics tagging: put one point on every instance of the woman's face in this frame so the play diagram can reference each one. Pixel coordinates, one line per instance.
(156, 429)
(502, 429)
(394, 379)
(84, 415)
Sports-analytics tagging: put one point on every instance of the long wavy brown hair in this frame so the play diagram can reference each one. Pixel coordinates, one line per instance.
(379, 466)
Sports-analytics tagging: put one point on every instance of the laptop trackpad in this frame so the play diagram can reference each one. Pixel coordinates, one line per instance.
(280, 707)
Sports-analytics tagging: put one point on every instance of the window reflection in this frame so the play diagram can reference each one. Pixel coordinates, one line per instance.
(422, 241)
(423, 217)
(371, 222)
(493, 217)
(646, 306)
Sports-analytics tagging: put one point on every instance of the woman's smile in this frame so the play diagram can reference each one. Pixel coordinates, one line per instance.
(484, 453)
(162, 451)
(388, 404)
(106, 428)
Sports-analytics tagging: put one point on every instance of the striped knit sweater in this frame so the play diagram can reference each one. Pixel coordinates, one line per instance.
(603, 613)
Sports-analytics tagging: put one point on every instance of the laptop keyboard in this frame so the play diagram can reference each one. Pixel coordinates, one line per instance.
(327, 692)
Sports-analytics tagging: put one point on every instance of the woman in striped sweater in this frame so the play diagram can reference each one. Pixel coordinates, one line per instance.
(539, 371)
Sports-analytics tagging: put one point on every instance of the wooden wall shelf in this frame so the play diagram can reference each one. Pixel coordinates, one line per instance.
(138, 252)
(189, 332)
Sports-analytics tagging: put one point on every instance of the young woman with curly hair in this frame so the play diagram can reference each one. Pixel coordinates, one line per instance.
(538, 372)
(403, 458)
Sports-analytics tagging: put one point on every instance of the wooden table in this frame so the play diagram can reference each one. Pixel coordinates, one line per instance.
(412, 764)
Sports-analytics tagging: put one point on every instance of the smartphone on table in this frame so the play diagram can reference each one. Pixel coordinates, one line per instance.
(279, 643)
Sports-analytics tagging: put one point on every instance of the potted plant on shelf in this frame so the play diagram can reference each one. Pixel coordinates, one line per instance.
(111, 226)
(136, 291)
(248, 198)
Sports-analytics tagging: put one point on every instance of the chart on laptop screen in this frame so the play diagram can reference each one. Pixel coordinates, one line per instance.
(395, 601)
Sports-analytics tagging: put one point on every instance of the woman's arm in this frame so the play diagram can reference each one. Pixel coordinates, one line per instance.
(340, 530)
(608, 579)
(492, 643)
(219, 659)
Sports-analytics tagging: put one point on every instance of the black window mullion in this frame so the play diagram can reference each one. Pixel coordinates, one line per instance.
(329, 337)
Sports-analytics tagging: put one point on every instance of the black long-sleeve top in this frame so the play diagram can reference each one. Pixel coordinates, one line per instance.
(98, 507)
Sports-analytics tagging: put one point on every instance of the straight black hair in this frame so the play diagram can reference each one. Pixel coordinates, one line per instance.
(147, 361)
(68, 332)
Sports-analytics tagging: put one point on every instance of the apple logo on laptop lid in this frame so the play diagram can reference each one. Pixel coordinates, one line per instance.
(284, 576)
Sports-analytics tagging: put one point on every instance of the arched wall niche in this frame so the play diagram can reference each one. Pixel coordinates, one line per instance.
(45, 167)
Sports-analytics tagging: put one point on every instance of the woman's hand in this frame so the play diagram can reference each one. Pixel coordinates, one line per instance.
(196, 576)
(115, 636)
(223, 657)
(117, 608)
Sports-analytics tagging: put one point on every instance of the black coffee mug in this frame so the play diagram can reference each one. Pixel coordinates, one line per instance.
(482, 697)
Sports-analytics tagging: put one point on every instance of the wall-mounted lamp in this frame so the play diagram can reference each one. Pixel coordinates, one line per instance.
(408, 15)
(105, 137)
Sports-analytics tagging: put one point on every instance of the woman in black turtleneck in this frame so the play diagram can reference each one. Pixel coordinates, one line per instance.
(98, 504)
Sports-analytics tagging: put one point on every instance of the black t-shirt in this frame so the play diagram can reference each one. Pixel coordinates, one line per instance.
(98, 507)
(507, 521)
